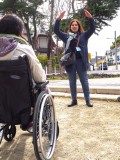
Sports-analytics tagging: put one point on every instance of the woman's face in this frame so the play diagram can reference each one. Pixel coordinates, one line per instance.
(74, 27)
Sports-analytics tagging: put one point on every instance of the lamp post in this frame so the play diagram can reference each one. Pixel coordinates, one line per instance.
(116, 53)
(115, 50)
(96, 59)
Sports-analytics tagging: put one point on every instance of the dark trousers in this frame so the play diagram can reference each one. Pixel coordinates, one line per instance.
(71, 71)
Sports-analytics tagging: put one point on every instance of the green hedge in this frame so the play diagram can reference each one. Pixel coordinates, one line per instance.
(55, 61)
(43, 60)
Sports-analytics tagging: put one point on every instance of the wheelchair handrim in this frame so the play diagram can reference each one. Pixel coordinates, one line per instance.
(52, 143)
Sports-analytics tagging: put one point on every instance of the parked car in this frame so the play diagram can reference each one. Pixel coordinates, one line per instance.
(103, 66)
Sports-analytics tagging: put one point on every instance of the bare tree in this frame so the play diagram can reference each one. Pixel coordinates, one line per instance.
(50, 30)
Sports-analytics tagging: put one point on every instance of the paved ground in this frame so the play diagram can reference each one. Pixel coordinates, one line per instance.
(103, 82)
(85, 133)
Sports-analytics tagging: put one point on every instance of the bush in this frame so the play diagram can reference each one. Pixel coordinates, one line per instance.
(43, 60)
(54, 61)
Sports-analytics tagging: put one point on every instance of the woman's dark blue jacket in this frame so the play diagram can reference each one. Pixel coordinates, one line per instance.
(84, 36)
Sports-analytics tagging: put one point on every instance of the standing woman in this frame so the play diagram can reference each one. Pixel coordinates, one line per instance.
(78, 45)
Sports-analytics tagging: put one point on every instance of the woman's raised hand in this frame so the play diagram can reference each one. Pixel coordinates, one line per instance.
(87, 14)
(61, 15)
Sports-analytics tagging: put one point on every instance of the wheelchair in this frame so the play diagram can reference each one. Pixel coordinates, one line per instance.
(23, 101)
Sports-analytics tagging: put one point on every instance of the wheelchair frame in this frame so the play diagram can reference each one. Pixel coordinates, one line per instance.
(45, 125)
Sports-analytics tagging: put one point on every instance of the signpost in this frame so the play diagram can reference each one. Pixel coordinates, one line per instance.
(115, 50)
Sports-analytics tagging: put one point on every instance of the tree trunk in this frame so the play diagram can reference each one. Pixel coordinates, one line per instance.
(73, 8)
(28, 33)
(35, 32)
(50, 31)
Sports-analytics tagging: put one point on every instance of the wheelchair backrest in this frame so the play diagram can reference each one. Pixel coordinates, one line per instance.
(15, 91)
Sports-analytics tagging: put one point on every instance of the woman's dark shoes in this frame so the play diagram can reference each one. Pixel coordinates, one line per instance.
(89, 104)
(73, 103)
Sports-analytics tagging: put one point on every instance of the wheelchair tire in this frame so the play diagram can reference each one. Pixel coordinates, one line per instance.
(9, 132)
(58, 130)
(44, 127)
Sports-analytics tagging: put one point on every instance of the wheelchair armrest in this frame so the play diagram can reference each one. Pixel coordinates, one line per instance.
(41, 85)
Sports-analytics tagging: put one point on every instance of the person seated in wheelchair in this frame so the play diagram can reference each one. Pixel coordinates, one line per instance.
(13, 45)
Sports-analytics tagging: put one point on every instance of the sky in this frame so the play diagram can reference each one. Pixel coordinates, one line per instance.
(100, 43)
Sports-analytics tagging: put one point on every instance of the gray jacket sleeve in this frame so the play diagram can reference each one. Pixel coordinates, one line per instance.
(38, 73)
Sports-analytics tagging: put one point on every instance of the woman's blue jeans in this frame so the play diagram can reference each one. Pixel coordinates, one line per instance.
(71, 71)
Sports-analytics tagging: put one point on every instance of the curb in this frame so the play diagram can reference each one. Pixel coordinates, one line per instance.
(106, 97)
(93, 90)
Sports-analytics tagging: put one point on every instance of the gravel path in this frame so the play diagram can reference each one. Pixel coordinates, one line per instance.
(85, 133)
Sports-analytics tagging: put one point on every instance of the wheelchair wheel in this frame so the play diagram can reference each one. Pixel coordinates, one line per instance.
(9, 132)
(44, 127)
(1, 132)
(58, 130)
